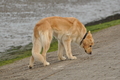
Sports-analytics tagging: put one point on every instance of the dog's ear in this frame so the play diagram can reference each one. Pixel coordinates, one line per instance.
(89, 32)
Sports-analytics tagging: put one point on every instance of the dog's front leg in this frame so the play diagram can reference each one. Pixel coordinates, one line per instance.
(67, 45)
(60, 51)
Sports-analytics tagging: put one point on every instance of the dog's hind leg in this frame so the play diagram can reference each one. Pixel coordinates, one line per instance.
(45, 49)
(47, 38)
(31, 63)
(36, 53)
(60, 51)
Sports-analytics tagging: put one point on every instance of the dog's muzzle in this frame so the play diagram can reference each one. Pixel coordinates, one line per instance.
(88, 53)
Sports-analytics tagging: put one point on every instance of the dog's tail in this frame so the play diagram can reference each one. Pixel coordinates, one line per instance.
(40, 39)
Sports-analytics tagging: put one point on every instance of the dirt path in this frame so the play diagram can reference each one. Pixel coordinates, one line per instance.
(104, 64)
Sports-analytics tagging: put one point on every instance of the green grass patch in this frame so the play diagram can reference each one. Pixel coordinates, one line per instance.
(23, 54)
(17, 54)
(98, 27)
(20, 56)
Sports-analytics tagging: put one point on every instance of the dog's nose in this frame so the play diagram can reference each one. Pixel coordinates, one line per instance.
(90, 53)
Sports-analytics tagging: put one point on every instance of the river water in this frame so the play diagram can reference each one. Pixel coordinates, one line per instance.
(18, 17)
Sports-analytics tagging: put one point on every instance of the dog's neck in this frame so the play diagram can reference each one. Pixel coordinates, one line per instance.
(83, 38)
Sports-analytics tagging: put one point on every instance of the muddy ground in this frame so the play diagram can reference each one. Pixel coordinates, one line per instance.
(103, 64)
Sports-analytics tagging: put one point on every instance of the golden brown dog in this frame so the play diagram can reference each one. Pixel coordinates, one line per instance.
(65, 30)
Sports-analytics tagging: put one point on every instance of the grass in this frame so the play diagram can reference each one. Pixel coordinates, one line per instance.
(24, 54)
(99, 27)
(20, 54)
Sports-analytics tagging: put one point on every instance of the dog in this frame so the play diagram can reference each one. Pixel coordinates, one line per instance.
(65, 30)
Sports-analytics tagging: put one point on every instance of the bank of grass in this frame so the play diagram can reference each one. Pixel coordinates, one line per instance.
(24, 53)
(20, 54)
(99, 27)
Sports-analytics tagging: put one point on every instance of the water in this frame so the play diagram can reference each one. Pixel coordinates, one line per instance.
(18, 17)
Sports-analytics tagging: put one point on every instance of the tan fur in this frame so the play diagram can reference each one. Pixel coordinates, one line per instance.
(65, 30)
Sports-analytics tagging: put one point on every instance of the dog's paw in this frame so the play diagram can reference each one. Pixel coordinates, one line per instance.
(62, 58)
(46, 63)
(73, 57)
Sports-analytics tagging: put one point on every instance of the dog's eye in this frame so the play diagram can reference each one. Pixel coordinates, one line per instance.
(90, 45)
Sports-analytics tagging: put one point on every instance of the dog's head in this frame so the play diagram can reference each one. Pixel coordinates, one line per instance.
(87, 43)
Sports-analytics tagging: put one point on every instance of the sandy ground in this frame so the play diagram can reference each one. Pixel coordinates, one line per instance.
(103, 64)
(18, 17)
